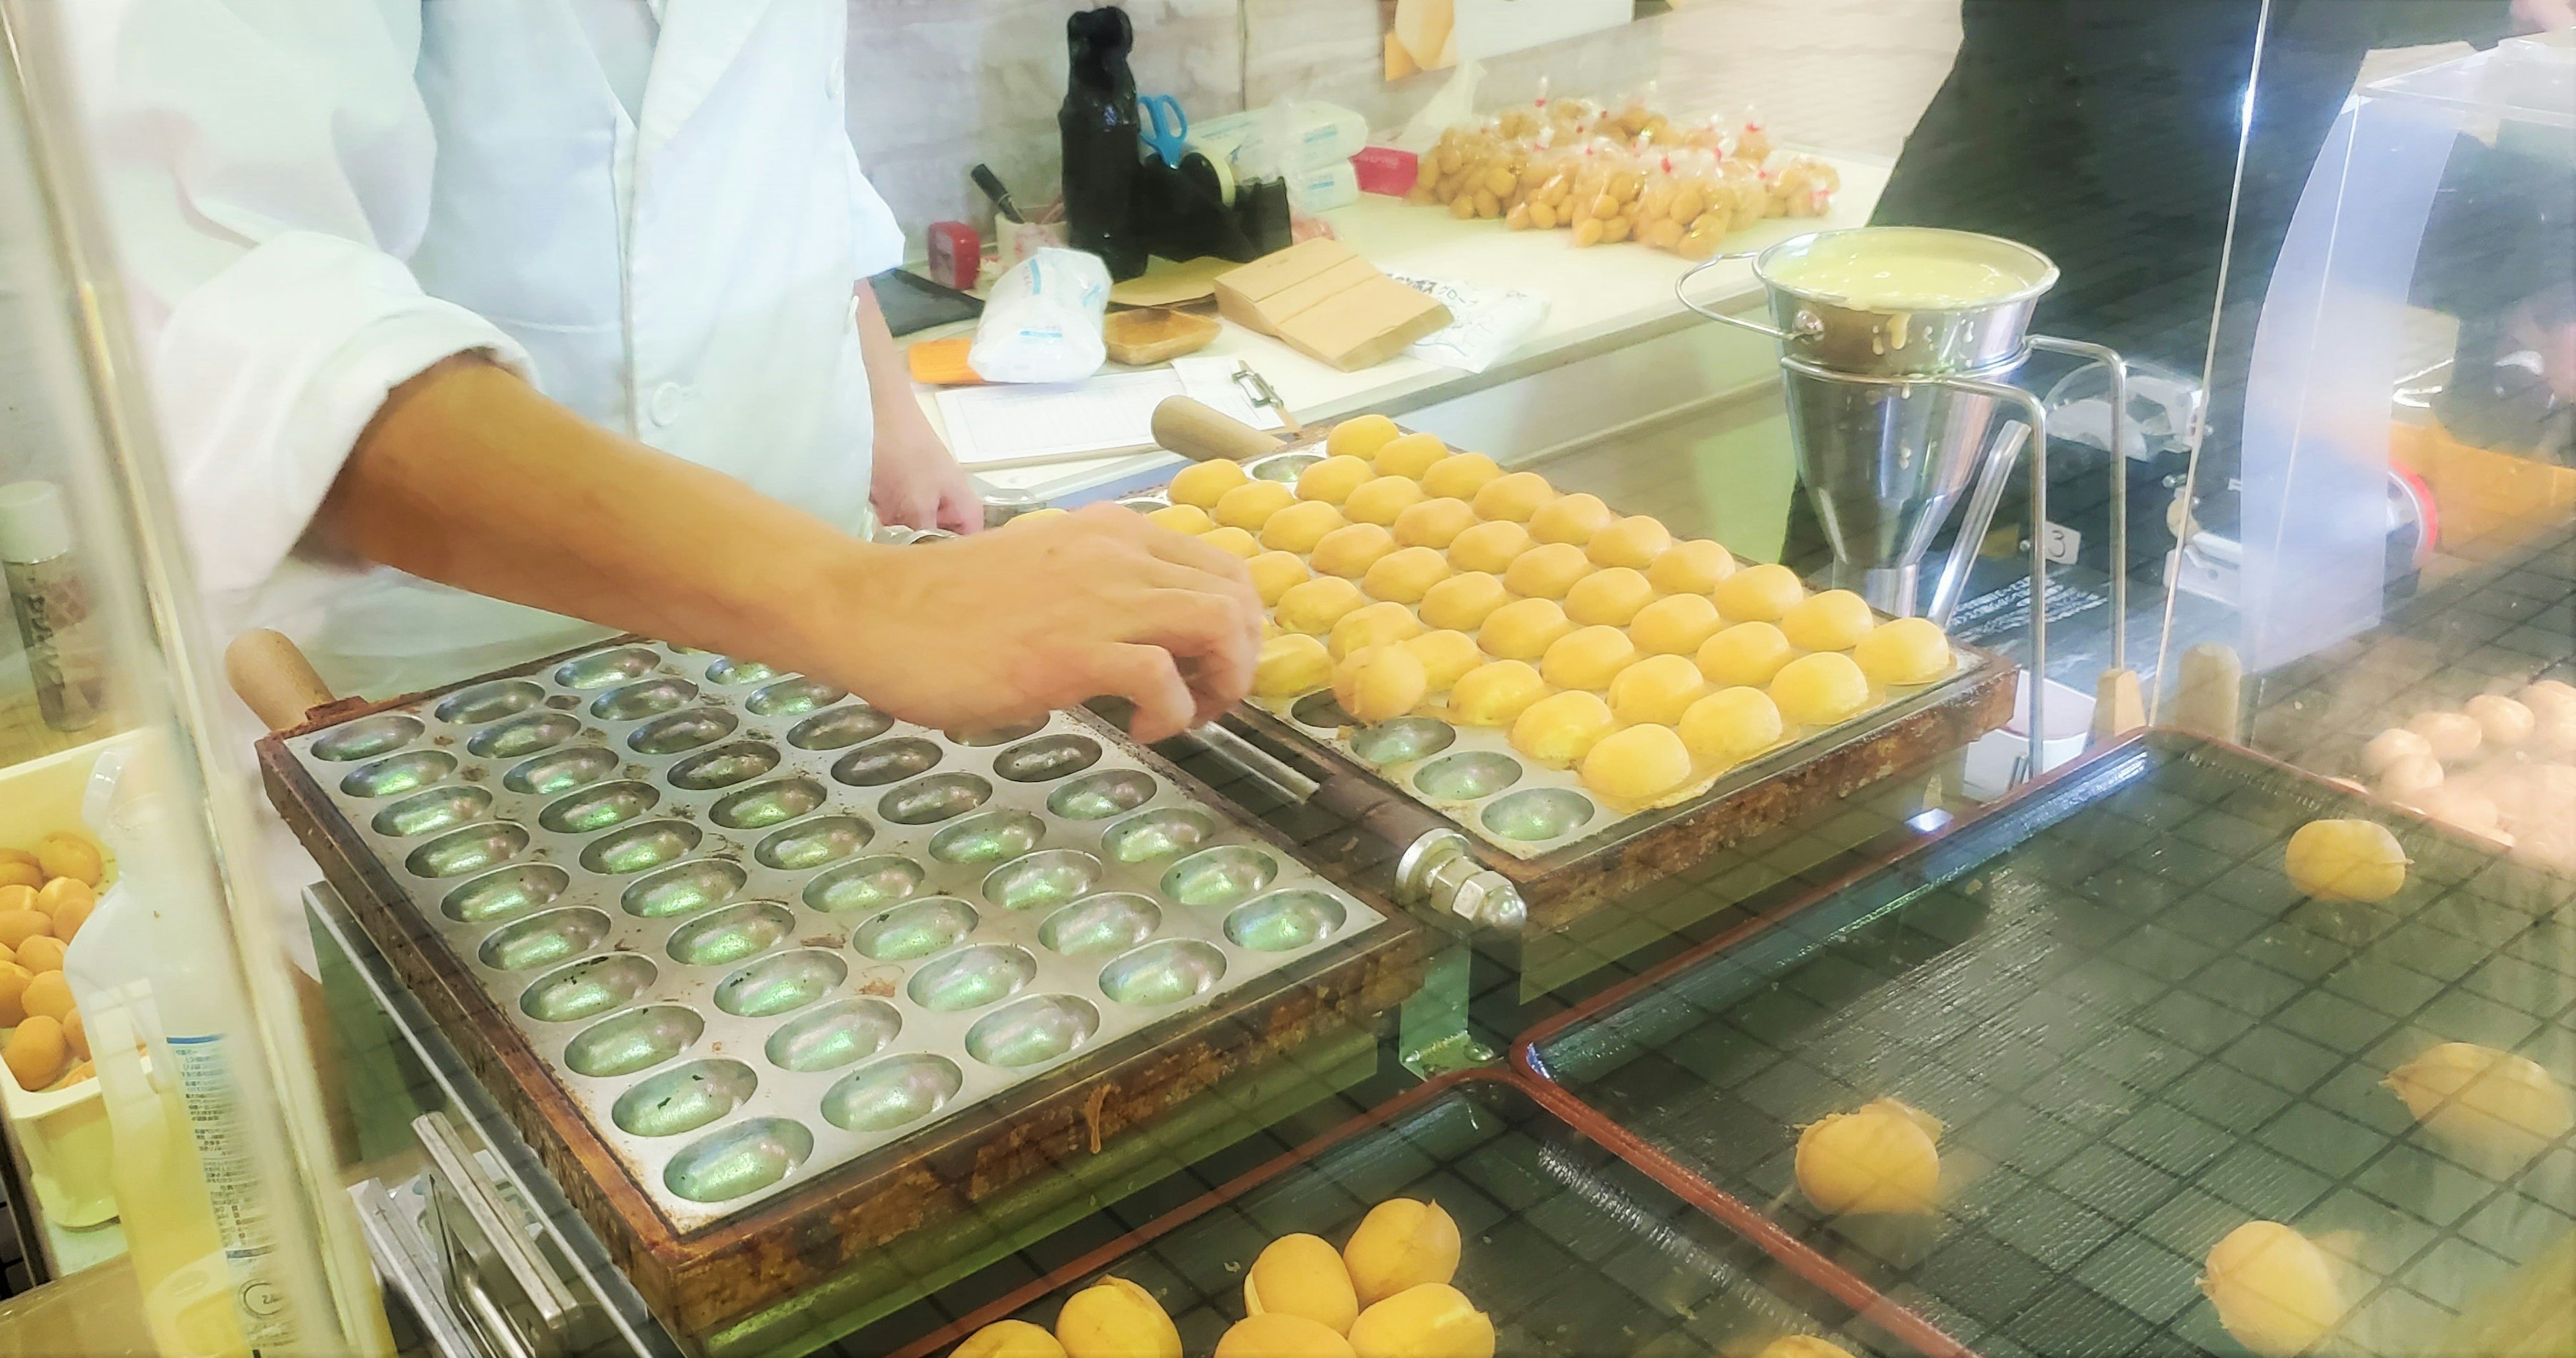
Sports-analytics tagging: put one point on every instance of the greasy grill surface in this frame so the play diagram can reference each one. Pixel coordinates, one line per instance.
(2140, 1037)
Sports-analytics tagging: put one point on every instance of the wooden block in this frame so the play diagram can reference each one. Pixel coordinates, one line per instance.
(1365, 326)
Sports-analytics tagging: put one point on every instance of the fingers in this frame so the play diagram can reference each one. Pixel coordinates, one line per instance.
(905, 509)
(961, 510)
(1147, 677)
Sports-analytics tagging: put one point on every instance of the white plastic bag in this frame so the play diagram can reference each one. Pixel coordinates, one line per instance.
(1042, 321)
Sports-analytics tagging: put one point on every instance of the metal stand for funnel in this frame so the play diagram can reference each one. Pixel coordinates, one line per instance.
(1982, 502)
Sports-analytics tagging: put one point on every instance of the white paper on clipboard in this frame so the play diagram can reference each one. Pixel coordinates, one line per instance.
(997, 427)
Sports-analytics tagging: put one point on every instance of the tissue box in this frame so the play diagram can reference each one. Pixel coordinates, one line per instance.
(1329, 304)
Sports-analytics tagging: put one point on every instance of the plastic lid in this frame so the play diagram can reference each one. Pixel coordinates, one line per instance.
(33, 526)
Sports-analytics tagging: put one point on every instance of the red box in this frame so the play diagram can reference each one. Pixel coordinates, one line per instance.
(1386, 170)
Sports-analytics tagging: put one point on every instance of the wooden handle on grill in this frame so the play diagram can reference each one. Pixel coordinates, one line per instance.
(1202, 433)
(270, 673)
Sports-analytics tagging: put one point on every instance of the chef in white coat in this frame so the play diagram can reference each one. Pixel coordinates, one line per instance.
(481, 325)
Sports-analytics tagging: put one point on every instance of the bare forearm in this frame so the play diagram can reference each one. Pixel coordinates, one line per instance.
(889, 374)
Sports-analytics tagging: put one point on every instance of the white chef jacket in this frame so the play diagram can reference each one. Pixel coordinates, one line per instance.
(316, 199)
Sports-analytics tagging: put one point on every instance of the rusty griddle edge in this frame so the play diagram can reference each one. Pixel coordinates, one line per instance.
(696, 1282)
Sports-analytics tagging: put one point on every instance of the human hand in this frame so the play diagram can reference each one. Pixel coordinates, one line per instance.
(2543, 16)
(916, 481)
(1042, 615)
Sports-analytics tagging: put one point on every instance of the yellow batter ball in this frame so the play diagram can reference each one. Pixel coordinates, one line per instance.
(1732, 725)
(1835, 620)
(1820, 689)
(2346, 860)
(1291, 664)
(1188, 519)
(1523, 629)
(1514, 496)
(1637, 765)
(1496, 693)
(1878, 1159)
(1636, 542)
(1446, 657)
(1316, 605)
(1560, 729)
(1674, 625)
(1275, 573)
(1608, 598)
(1361, 436)
(1405, 574)
(1906, 651)
(1656, 690)
(1547, 571)
(1250, 505)
(1039, 515)
(1570, 518)
(1332, 480)
(1759, 593)
(1411, 455)
(1382, 500)
(1434, 523)
(1203, 483)
(1379, 684)
(1233, 542)
(2275, 1292)
(1300, 526)
(1374, 625)
(1588, 657)
(1692, 567)
(1460, 475)
(1349, 551)
(1463, 601)
(1489, 546)
(1748, 653)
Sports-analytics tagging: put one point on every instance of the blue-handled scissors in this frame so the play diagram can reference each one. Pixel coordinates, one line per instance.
(1170, 136)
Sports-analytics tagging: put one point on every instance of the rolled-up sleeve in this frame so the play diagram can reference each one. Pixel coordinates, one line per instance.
(267, 166)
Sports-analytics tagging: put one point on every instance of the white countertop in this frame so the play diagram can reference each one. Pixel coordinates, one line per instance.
(1598, 298)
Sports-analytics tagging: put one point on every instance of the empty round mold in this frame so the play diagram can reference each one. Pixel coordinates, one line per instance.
(682, 731)
(1042, 880)
(1284, 467)
(892, 1093)
(1032, 1031)
(738, 1160)
(543, 940)
(1101, 926)
(793, 698)
(511, 891)
(813, 843)
(1158, 834)
(638, 1039)
(1467, 776)
(641, 847)
(1163, 973)
(1321, 710)
(834, 1035)
(684, 1098)
(599, 808)
(601, 669)
(1538, 813)
(728, 670)
(562, 771)
(402, 773)
(988, 837)
(1098, 796)
(650, 698)
(1226, 875)
(766, 804)
(1047, 758)
(591, 986)
(997, 735)
(682, 889)
(869, 884)
(367, 738)
(523, 735)
(971, 978)
(915, 929)
(941, 796)
(839, 728)
(1402, 740)
(887, 761)
(462, 853)
(441, 808)
(725, 936)
(1285, 921)
(723, 766)
(489, 702)
(775, 985)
